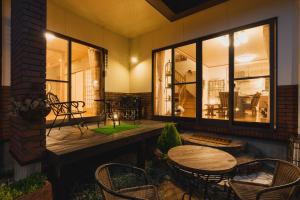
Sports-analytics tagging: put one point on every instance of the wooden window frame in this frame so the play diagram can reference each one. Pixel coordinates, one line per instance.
(199, 120)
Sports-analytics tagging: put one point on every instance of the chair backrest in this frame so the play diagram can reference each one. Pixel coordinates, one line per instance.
(54, 101)
(285, 173)
(224, 99)
(103, 177)
(255, 100)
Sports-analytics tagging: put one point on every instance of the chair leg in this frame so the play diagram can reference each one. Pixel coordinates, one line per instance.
(59, 126)
(82, 121)
(78, 123)
(52, 125)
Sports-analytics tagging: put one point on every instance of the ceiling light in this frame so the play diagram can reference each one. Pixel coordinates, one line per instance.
(245, 58)
(134, 60)
(239, 39)
(49, 36)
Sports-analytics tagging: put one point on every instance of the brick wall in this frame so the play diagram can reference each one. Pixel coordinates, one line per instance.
(5, 112)
(28, 75)
(146, 100)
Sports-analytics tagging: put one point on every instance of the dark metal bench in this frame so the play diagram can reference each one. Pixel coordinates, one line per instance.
(66, 109)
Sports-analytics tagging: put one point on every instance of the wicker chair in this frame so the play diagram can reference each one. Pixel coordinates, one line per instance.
(111, 192)
(286, 176)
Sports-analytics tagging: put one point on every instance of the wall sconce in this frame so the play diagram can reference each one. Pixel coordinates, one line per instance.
(116, 119)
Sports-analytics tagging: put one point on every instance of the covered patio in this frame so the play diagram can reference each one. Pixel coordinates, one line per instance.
(150, 100)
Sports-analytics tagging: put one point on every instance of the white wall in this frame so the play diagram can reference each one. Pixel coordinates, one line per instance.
(231, 14)
(67, 23)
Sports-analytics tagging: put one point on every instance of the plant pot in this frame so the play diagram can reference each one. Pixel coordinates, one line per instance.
(44, 193)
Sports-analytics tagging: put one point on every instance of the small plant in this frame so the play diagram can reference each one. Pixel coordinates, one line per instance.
(169, 138)
(22, 187)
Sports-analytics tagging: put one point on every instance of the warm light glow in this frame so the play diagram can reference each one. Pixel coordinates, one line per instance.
(49, 36)
(134, 60)
(244, 58)
(115, 116)
(239, 39)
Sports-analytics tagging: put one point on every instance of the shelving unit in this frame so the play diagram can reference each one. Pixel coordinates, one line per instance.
(168, 87)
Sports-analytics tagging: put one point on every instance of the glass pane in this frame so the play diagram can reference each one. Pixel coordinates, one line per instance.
(252, 52)
(86, 63)
(185, 64)
(61, 90)
(185, 100)
(252, 100)
(215, 80)
(163, 83)
(57, 58)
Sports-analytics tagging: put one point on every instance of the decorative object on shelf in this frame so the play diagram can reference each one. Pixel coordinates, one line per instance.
(31, 109)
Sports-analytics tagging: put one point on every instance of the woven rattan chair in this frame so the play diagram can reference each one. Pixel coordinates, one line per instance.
(111, 192)
(286, 176)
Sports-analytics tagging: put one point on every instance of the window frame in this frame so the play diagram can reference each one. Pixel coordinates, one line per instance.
(272, 22)
(71, 40)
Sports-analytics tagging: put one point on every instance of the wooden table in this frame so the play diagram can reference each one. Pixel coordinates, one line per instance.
(209, 164)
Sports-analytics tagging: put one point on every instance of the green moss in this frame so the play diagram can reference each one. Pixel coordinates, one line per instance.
(169, 138)
(109, 130)
(22, 187)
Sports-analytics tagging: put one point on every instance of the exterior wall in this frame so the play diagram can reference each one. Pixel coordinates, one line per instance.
(67, 23)
(231, 14)
(28, 72)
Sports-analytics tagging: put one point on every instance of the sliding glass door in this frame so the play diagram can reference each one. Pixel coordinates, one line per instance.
(73, 73)
(57, 81)
(86, 63)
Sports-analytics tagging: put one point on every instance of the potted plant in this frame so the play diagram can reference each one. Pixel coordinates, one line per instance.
(32, 109)
(168, 139)
(34, 187)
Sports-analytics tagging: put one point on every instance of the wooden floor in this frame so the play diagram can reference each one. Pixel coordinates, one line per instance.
(69, 139)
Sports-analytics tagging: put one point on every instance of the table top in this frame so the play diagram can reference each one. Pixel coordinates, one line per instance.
(200, 159)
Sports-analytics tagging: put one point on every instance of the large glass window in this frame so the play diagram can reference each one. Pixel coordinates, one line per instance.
(163, 83)
(175, 86)
(237, 77)
(252, 75)
(78, 80)
(185, 81)
(85, 77)
(215, 78)
(57, 68)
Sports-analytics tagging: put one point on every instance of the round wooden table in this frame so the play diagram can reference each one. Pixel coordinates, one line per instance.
(209, 164)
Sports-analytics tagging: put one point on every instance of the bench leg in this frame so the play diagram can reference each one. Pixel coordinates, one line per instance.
(52, 125)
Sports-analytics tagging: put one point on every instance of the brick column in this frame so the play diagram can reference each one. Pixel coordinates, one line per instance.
(28, 61)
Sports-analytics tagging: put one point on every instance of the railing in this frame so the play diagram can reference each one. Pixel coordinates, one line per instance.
(179, 78)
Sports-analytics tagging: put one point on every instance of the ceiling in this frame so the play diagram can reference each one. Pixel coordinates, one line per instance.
(129, 18)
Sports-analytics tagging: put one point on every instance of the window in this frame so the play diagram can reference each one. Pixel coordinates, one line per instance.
(163, 83)
(236, 82)
(175, 86)
(185, 81)
(73, 73)
(252, 75)
(215, 78)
